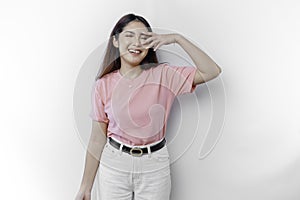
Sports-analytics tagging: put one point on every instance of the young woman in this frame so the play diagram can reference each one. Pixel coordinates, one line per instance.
(131, 100)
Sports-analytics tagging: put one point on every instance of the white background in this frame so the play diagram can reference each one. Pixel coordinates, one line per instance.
(43, 45)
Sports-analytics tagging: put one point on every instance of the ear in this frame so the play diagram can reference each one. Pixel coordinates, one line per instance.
(115, 42)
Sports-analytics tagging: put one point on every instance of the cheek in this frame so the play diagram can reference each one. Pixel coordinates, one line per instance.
(123, 47)
(124, 41)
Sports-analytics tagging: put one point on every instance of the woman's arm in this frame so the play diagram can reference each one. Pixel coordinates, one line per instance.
(207, 68)
(93, 155)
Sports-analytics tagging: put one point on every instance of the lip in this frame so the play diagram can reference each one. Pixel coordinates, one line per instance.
(136, 50)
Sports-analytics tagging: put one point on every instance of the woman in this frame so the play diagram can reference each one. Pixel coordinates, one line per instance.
(131, 101)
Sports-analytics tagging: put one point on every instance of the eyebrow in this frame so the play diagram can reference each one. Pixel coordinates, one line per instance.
(132, 32)
(128, 32)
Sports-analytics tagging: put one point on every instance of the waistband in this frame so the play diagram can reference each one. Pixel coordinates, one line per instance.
(137, 150)
(140, 146)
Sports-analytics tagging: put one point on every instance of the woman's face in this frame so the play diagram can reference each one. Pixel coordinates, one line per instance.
(132, 52)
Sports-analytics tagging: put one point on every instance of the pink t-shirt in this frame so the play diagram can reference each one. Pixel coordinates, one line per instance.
(137, 110)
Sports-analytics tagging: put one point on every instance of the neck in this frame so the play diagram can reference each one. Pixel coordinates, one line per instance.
(130, 72)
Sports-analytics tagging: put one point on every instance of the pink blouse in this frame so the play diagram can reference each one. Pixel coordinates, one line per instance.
(137, 110)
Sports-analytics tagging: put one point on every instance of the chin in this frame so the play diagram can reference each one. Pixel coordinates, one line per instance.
(134, 62)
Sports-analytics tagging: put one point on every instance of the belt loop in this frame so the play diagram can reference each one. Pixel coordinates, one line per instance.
(149, 151)
(120, 149)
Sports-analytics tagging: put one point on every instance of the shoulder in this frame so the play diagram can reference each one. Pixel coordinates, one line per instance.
(107, 78)
(105, 81)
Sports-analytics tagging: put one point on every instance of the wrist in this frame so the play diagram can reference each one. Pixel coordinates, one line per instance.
(85, 188)
(177, 38)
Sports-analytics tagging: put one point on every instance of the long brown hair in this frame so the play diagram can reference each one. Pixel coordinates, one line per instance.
(111, 60)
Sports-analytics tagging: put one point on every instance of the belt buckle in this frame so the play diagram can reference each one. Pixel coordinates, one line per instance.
(136, 149)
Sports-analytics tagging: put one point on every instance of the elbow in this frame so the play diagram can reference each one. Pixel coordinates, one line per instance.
(220, 70)
(201, 77)
(217, 72)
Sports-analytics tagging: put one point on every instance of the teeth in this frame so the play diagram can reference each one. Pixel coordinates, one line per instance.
(134, 51)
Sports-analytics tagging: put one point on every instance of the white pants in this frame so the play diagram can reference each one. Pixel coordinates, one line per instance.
(126, 177)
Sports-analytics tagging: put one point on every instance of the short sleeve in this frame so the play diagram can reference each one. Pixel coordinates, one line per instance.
(97, 112)
(180, 79)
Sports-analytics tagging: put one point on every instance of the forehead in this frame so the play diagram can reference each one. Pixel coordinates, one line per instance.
(135, 26)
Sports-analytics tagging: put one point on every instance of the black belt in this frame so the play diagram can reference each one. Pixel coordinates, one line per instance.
(137, 151)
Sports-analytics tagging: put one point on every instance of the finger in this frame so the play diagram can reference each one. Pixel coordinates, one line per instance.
(151, 38)
(154, 46)
(147, 41)
(151, 45)
(148, 33)
(157, 46)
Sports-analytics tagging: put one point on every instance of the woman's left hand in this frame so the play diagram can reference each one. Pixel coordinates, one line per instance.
(155, 40)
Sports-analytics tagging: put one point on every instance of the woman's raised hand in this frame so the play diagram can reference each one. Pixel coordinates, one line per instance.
(155, 40)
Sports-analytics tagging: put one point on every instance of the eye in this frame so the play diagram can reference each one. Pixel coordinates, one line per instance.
(128, 35)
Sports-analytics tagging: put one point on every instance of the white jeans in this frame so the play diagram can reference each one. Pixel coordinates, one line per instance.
(126, 177)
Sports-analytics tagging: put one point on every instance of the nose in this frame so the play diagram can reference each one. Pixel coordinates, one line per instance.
(137, 42)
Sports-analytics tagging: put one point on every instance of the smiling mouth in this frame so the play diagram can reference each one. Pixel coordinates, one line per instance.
(133, 51)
